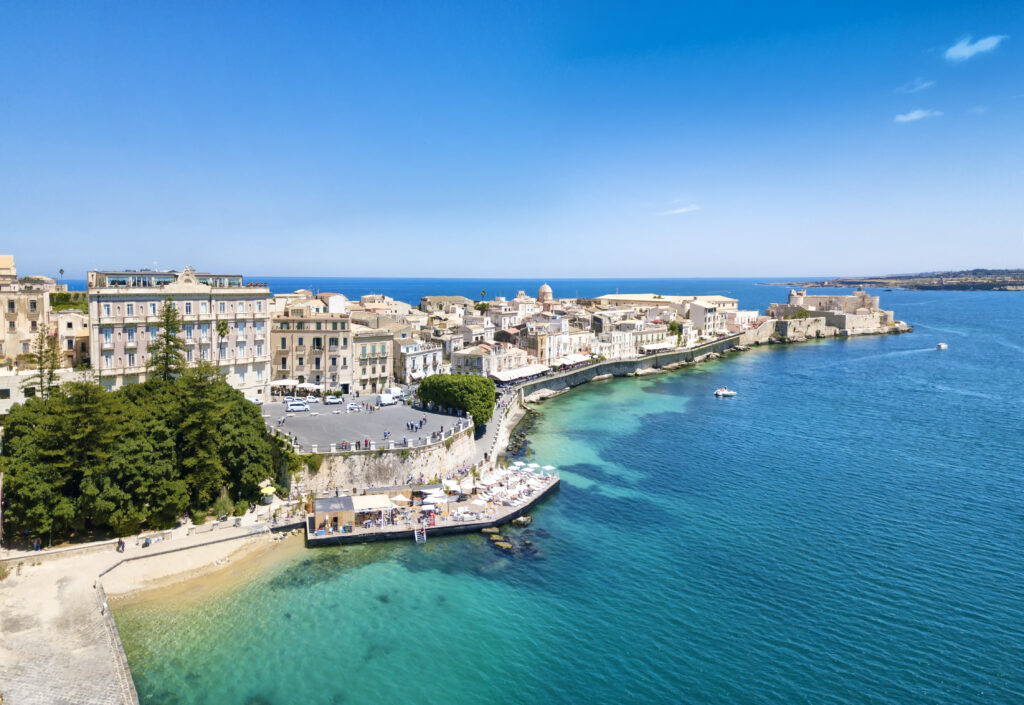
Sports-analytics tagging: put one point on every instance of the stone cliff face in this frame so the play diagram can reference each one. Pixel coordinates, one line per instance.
(385, 468)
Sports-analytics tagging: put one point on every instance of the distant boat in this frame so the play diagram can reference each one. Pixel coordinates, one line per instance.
(941, 346)
(724, 392)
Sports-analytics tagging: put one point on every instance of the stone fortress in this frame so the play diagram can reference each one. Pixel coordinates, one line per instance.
(825, 315)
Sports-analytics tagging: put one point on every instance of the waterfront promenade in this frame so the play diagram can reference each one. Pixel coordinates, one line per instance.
(58, 642)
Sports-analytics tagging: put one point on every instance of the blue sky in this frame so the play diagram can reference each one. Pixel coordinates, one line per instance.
(512, 139)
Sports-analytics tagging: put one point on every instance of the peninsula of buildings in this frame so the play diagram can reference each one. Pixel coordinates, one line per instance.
(324, 343)
(964, 280)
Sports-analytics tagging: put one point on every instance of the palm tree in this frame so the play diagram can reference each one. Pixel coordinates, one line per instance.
(61, 275)
(483, 294)
(222, 332)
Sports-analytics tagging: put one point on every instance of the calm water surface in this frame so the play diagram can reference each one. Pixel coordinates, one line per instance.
(847, 530)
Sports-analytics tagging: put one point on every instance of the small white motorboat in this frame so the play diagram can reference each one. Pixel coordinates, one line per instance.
(941, 346)
(724, 392)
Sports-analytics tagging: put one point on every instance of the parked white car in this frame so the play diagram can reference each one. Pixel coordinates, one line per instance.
(297, 405)
(332, 400)
(311, 400)
(255, 400)
(352, 406)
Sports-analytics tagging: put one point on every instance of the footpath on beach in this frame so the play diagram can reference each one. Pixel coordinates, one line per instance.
(58, 642)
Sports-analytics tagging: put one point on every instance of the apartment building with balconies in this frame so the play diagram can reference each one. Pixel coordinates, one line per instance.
(224, 321)
(312, 345)
(374, 358)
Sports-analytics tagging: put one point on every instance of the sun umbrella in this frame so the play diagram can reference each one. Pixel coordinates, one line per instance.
(267, 490)
(534, 465)
(519, 462)
(548, 467)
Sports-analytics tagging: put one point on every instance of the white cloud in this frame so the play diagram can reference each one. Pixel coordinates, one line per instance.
(679, 211)
(965, 48)
(918, 84)
(915, 115)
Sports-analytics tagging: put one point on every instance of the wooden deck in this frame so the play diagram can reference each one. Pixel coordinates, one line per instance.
(442, 527)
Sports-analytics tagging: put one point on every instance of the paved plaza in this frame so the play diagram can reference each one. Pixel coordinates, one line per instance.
(324, 424)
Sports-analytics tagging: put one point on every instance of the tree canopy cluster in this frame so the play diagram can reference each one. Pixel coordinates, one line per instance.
(138, 457)
(471, 393)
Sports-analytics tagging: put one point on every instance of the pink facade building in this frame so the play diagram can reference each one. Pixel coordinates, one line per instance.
(124, 315)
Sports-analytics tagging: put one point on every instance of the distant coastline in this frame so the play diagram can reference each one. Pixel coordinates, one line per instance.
(964, 280)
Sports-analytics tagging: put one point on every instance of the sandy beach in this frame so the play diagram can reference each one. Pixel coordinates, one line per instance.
(200, 572)
(57, 644)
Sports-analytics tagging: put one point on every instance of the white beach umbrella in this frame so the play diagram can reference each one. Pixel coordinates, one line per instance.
(534, 465)
(548, 467)
(519, 462)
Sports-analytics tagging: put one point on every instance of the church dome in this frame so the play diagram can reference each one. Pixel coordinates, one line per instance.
(544, 293)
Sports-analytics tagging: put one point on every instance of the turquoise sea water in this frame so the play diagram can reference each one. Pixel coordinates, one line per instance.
(847, 530)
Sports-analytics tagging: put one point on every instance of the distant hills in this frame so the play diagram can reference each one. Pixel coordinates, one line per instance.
(966, 280)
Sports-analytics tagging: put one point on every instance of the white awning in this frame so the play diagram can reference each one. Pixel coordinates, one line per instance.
(652, 347)
(371, 502)
(519, 372)
(284, 383)
(307, 385)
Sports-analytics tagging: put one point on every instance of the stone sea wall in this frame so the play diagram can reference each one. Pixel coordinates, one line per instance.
(391, 467)
(622, 368)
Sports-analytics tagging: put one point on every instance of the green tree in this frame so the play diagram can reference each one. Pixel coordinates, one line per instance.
(167, 350)
(34, 486)
(203, 410)
(45, 357)
(475, 395)
(482, 306)
(134, 458)
(677, 330)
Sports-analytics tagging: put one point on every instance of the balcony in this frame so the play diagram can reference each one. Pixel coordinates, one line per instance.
(107, 344)
(300, 348)
(332, 348)
(131, 344)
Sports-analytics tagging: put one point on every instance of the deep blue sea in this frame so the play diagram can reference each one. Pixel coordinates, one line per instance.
(849, 529)
(410, 290)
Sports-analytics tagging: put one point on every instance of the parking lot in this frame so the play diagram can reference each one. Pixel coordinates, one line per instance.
(324, 424)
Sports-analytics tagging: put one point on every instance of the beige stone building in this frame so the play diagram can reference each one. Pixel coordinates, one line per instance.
(72, 328)
(373, 354)
(311, 345)
(486, 359)
(24, 312)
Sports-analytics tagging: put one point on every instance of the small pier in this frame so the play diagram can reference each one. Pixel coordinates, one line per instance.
(513, 495)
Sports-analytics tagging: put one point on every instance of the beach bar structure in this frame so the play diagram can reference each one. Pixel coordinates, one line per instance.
(333, 512)
(377, 516)
(344, 513)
